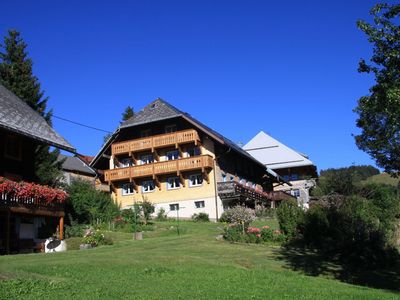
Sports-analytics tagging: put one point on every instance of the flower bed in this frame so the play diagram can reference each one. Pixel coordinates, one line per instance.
(39, 194)
(238, 233)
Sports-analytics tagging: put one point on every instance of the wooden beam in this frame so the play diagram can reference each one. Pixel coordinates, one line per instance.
(206, 177)
(157, 182)
(61, 228)
(8, 232)
(182, 180)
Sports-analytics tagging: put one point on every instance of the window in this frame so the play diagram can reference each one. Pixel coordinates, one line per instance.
(145, 133)
(173, 183)
(231, 178)
(13, 148)
(195, 180)
(296, 193)
(285, 177)
(199, 204)
(294, 177)
(170, 128)
(174, 206)
(147, 159)
(195, 151)
(127, 189)
(171, 155)
(254, 186)
(148, 186)
(223, 177)
(125, 162)
(242, 181)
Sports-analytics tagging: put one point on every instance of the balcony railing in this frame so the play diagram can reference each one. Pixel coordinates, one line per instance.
(159, 168)
(9, 200)
(156, 141)
(235, 190)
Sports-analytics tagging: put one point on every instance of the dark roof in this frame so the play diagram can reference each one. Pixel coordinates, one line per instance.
(75, 164)
(159, 110)
(19, 117)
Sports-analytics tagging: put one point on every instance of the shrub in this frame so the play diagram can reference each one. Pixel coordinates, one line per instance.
(161, 215)
(254, 235)
(96, 238)
(264, 212)
(290, 215)
(238, 215)
(201, 217)
(75, 230)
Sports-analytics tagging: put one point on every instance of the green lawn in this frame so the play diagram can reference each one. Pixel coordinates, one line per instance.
(193, 265)
(383, 178)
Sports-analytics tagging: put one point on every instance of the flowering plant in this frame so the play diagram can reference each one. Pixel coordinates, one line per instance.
(92, 237)
(32, 190)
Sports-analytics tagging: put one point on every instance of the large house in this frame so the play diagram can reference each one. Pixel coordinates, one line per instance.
(28, 211)
(167, 157)
(292, 166)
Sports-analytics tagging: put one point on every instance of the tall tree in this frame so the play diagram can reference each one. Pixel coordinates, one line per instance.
(17, 76)
(128, 113)
(379, 112)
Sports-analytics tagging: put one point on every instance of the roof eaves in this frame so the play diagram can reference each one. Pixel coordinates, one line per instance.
(57, 145)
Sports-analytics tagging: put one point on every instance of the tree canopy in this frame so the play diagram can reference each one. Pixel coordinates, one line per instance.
(379, 112)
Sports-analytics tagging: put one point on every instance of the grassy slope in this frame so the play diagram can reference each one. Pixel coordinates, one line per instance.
(166, 266)
(383, 178)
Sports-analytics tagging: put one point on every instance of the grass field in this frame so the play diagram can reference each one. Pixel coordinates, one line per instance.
(383, 178)
(194, 265)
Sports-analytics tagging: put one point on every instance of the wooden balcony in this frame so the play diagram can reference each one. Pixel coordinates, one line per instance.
(236, 191)
(156, 141)
(159, 168)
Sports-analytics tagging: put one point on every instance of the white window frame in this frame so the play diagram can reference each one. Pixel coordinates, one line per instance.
(146, 184)
(174, 156)
(196, 179)
(174, 206)
(171, 183)
(170, 128)
(201, 203)
(144, 159)
(123, 163)
(295, 193)
(127, 189)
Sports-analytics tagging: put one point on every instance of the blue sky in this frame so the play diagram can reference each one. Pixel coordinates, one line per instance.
(288, 68)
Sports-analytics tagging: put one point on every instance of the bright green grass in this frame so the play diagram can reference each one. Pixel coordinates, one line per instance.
(165, 266)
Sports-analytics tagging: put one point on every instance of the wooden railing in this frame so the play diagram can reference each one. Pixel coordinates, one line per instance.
(235, 190)
(158, 168)
(156, 141)
(9, 200)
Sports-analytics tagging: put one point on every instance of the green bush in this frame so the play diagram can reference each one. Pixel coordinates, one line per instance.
(161, 215)
(201, 217)
(87, 205)
(75, 230)
(96, 238)
(253, 235)
(290, 215)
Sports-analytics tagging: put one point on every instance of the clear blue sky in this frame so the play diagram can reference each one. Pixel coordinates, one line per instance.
(288, 68)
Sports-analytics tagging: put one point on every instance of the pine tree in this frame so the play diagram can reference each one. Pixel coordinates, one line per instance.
(128, 113)
(17, 76)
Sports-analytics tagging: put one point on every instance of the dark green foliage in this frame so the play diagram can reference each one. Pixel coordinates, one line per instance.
(17, 76)
(128, 113)
(379, 112)
(343, 181)
(357, 230)
(289, 216)
(201, 217)
(88, 206)
(75, 230)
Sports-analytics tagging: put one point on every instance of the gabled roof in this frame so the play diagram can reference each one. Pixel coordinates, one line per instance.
(19, 117)
(75, 164)
(274, 154)
(159, 110)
